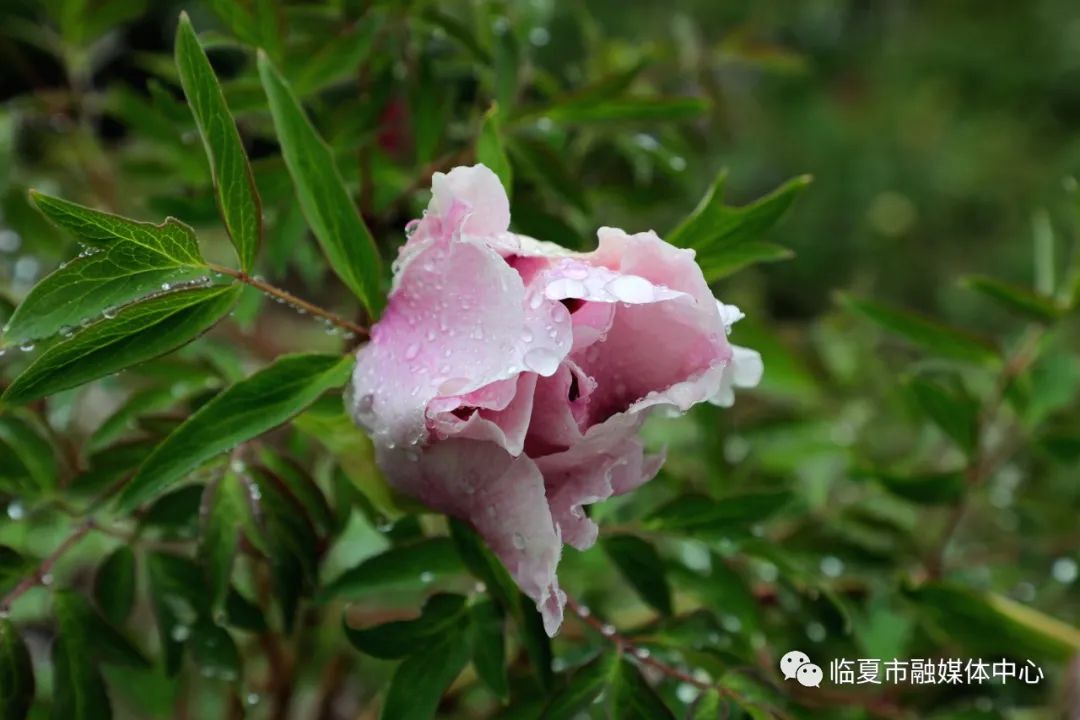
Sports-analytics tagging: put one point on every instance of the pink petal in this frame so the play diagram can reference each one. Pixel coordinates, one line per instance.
(479, 190)
(502, 497)
(457, 321)
(498, 413)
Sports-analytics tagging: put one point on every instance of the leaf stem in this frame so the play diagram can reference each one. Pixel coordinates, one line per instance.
(37, 577)
(289, 298)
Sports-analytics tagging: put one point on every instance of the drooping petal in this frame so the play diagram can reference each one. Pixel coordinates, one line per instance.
(502, 497)
(744, 371)
(498, 413)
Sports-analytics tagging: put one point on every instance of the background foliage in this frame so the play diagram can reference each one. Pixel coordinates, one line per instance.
(196, 530)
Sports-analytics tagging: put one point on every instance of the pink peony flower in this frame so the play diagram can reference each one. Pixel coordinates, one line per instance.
(508, 378)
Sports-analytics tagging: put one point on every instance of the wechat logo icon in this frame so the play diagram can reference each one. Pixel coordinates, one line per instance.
(796, 664)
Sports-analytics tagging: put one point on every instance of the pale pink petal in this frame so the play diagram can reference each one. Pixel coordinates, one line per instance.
(608, 460)
(501, 496)
(560, 410)
(457, 321)
(498, 413)
(478, 189)
(744, 371)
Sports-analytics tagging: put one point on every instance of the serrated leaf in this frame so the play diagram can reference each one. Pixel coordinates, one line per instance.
(490, 150)
(633, 698)
(223, 508)
(16, 674)
(585, 685)
(400, 638)
(34, 452)
(642, 567)
(138, 332)
(326, 204)
(952, 410)
(489, 646)
(990, 623)
(114, 585)
(214, 651)
(934, 337)
(421, 679)
(1020, 300)
(250, 407)
(416, 563)
(233, 180)
(595, 108)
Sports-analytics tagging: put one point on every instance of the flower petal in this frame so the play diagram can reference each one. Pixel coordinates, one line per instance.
(502, 497)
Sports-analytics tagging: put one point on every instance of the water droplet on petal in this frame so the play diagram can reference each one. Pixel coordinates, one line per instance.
(519, 541)
(412, 351)
(541, 361)
(535, 301)
(526, 335)
(631, 289)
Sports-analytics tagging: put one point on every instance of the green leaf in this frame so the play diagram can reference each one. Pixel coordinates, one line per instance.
(489, 646)
(490, 150)
(416, 563)
(934, 337)
(719, 263)
(151, 399)
(223, 507)
(247, 409)
(441, 613)
(593, 109)
(327, 206)
(952, 410)
(137, 333)
(114, 585)
(548, 170)
(178, 600)
(420, 680)
(697, 513)
(488, 568)
(713, 228)
(642, 567)
(990, 623)
(214, 651)
(235, 185)
(78, 689)
(78, 620)
(237, 18)
(506, 62)
(33, 451)
(1020, 300)
(337, 59)
(16, 674)
(175, 513)
(13, 568)
(632, 698)
(327, 424)
(927, 489)
(586, 684)
(302, 487)
(129, 260)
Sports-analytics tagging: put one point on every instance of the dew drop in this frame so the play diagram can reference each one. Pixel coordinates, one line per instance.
(526, 335)
(67, 331)
(47, 579)
(252, 699)
(426, 577)
(166, 287)
(180, 633)
(519, 541)
(109, 313)
(15, 510)
(26, 346)
(631, 289)
(412, 351)
(584, 611)
(607, 629)
(535, 301)
(541, 361)
(642, 653)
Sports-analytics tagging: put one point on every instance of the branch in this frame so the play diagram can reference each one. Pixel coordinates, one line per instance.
(42, 575)
(290, 299)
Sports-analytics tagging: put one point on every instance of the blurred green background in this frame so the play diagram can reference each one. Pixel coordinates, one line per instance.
(942, 139)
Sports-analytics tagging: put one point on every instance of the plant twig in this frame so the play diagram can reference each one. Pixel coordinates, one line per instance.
(291, 299)
(982, 464)
(45, 568)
